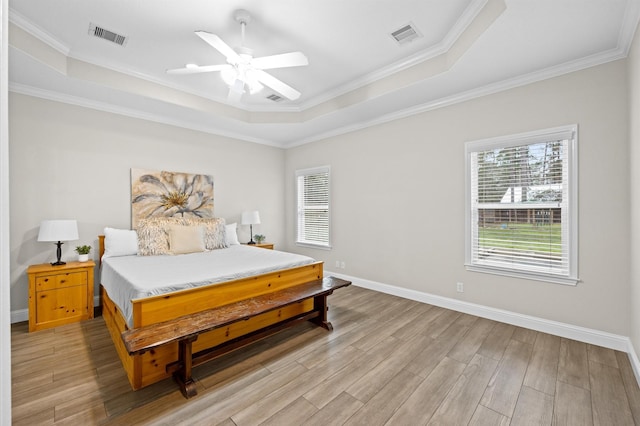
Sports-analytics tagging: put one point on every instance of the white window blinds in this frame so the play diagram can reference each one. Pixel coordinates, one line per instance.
(521, 198)
(313, 206)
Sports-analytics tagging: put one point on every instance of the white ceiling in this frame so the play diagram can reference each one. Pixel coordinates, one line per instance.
(357, 74)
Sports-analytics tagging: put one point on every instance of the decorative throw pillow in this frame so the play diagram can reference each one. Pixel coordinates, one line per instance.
(214, 231)
(120, 242)
(186, 239)
(153, 236)
(232, 234)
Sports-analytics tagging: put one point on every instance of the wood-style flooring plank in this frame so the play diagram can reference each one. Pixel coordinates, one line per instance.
(484, 416)
(461, 402)
(533, 408)
(497, 341)
(573, 367)
(542, 372)
(504, 387)
(338, 383)
(525, 335)
(381, 407)
(375, 379)
(602, 355)
(466, 348)
(630, 384)
(295, 413)
(572, 405)
(336, 412)
(275, 401)
(424, 401)
(608, 396)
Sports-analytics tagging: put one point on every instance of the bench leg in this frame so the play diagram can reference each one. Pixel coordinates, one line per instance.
(320, 305)
(183, 375)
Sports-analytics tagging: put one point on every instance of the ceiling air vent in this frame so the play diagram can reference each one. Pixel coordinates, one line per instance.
(100, 32)
(406, 34)
(274, 98)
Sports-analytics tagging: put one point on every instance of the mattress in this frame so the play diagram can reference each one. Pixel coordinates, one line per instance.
(126, 278)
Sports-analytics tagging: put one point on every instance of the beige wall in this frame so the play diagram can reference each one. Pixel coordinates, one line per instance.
(634, 114)
(72, 162)
(398, 198)
(397, 190)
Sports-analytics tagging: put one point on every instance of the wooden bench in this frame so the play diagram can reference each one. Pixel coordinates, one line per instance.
(186, 329)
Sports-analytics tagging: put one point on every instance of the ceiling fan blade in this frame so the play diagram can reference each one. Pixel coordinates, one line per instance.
(195, 69)
(217, 43)
(284, 60)
(277, 85)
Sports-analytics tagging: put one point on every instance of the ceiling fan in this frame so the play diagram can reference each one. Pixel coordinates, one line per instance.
(242, 72)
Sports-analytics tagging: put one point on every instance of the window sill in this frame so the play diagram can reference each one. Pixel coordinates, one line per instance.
(313, 246)
(522, 274)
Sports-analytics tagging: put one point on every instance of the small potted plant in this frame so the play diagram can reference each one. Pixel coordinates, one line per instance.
(83, 253)
(259, 238)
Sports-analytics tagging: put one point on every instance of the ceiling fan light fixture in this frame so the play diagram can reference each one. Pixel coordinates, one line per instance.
(252, 82)
(229, 76)
(240, 80)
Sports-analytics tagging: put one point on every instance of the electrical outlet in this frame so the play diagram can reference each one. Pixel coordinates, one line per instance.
(343, 264)
(460, 288)
(337, 263)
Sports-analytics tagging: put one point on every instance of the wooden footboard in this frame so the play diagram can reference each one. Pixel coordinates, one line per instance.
(150, 367)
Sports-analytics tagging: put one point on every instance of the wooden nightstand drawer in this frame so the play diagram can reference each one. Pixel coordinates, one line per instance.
(61, 304)
(60, 294)
(50, 282)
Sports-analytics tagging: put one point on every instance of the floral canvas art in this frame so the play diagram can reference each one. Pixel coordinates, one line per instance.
(169, 194)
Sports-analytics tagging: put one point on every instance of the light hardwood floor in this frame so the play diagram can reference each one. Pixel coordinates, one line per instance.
(388, 361)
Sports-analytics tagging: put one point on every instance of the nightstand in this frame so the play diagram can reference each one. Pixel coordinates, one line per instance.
(261, 245)
(60, 294)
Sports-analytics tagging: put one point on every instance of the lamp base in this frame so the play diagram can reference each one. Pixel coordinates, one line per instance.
(59, 254)
(251, 242)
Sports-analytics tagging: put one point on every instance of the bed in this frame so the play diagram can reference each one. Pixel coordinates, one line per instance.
(157, 294)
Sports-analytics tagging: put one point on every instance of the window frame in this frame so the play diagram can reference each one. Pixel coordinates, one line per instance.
(308, 172)
(569, 132)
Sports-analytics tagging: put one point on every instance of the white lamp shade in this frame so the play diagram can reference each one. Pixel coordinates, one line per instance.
(58, 230)
(251, 218)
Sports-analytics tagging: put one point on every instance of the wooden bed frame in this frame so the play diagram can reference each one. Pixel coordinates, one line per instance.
(151, 367)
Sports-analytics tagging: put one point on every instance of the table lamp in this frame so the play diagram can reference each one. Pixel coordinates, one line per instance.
(251, 218)
(58, 231)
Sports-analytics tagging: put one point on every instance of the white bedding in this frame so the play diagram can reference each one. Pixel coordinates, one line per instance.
(134, 277)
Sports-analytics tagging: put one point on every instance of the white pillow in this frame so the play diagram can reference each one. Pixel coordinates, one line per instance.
(232, 234)
(186, 239)
(120, 242)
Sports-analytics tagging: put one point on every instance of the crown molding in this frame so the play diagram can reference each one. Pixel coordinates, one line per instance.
(545, 74)
(629, 25)
(26, 25)
(130, 112)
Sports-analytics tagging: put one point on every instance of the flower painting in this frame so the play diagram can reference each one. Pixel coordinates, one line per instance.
(168, 194)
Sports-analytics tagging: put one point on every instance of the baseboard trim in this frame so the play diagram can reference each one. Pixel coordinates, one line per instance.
(569, 331)
(20, 315)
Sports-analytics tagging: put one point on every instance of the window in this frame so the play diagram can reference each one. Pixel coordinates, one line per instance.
(312, 187)
(521, 204)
